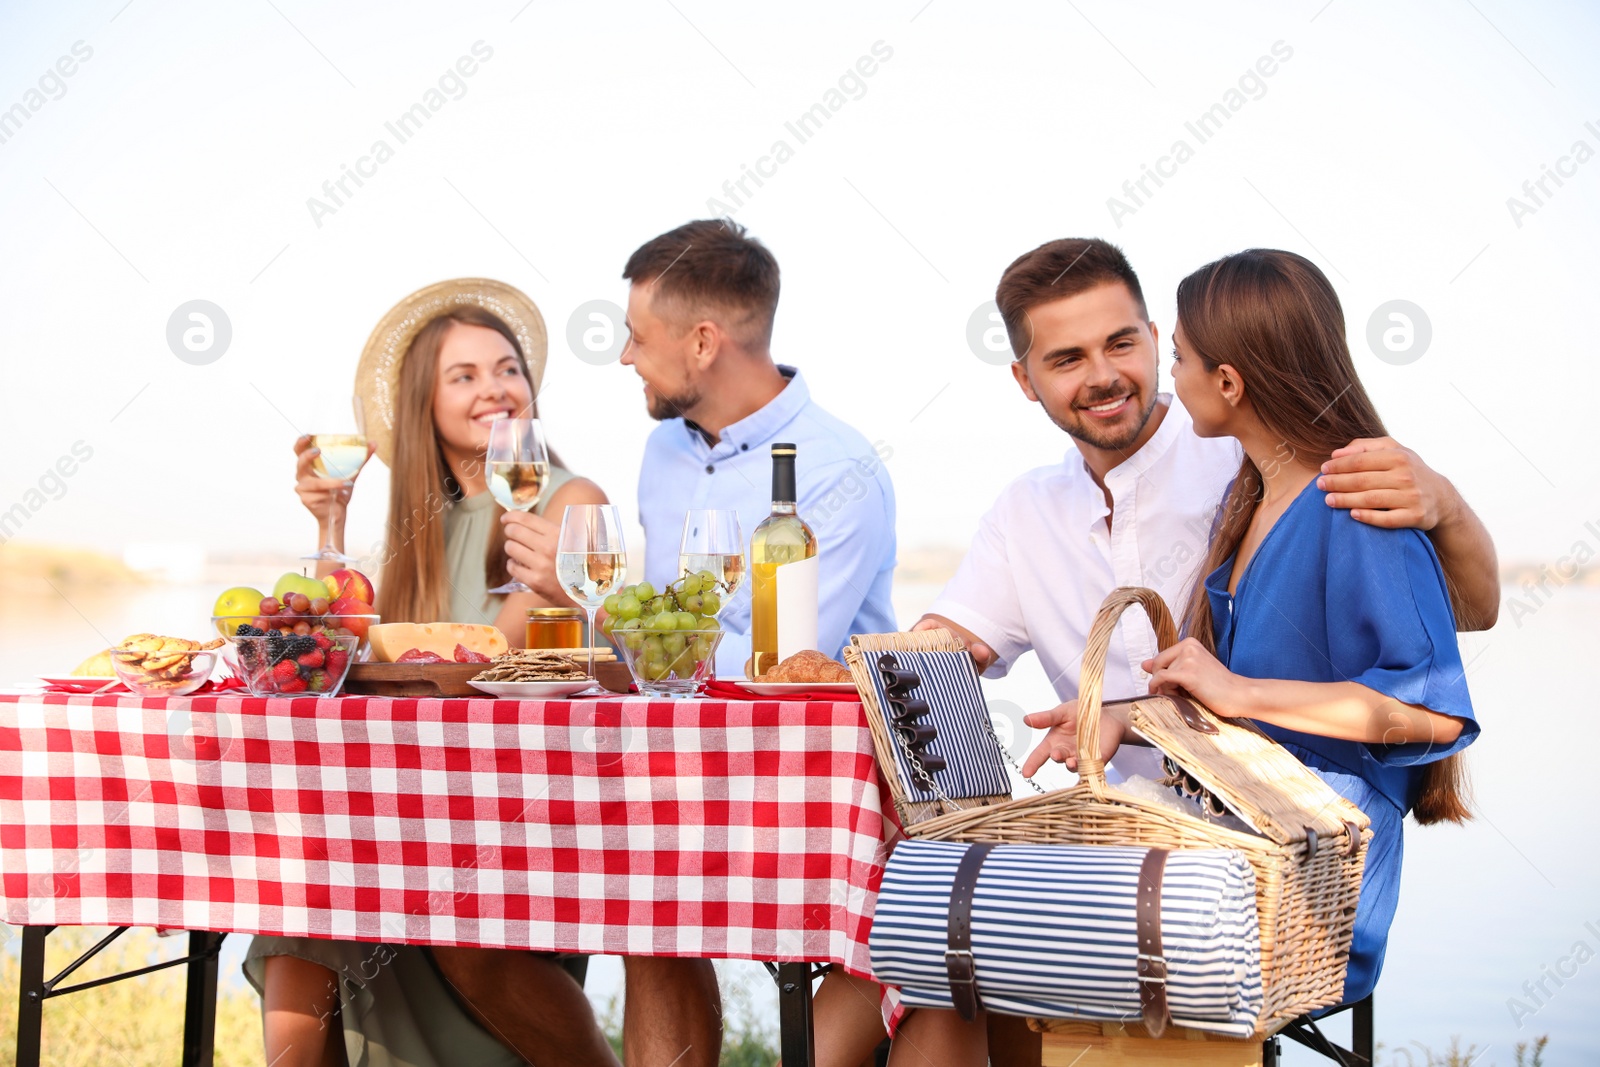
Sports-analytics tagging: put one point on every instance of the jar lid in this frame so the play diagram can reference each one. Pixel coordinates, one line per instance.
(555, 613)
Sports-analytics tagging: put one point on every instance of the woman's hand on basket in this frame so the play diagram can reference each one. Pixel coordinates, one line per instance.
(1189, 668)
(1061, 743)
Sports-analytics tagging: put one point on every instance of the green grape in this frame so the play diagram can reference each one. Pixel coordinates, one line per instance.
(653, 669)
(665, 621)
(673, 644)
(702, 647)
(711, 603)
(653, 646)
(629, 624)
(629, 607)
(644, 591)
(658, 605)
(634, 640)
(611, 603)
(690, 585)
(708, 580)
(685, 621)
(609, 625)
(692, 603)
(708, 623)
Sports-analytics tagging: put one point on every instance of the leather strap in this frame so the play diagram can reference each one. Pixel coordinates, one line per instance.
(1186, 708)
(958, 960)
(1152, 965)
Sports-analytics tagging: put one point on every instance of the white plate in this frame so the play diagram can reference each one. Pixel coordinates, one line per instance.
(778, 689)
(78, 683)
(532, 690)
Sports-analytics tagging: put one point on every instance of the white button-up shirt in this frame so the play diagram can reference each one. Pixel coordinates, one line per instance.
(1045, 557)
(845, 497)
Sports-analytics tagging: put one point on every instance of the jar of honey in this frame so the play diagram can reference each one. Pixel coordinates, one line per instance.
(555, 628)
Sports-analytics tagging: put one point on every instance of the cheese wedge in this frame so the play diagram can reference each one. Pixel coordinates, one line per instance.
(391, 640)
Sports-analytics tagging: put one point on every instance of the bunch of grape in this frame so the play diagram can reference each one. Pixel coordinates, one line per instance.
(670, 631)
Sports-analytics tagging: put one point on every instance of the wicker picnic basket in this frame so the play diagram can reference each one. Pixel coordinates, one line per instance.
(1308, 856)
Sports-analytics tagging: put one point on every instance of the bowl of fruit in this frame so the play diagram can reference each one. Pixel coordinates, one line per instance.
(669, 649)
(339, 605)
(274, 663)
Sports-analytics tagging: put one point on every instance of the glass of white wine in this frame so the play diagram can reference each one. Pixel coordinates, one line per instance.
(339, 455)
(591, 563)
(517, 464)
(712, 554)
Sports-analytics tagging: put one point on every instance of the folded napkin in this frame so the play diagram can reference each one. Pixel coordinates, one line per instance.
(727, 690)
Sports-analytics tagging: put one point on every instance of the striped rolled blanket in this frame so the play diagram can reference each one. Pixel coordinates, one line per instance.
(1054, 932)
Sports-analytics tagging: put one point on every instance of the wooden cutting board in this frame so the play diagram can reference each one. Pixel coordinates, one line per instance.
(412, 679)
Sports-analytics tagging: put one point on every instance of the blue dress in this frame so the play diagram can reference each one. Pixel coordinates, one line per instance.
(1328, 599)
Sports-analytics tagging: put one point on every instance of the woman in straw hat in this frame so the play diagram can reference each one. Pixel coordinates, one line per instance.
(441, 367)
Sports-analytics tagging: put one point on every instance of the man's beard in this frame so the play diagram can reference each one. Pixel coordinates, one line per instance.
(1110, 439)
(661, 408)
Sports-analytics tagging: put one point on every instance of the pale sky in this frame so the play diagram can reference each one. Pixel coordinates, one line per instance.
(176, 161)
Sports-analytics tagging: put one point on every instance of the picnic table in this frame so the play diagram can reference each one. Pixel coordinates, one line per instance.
(701, 828)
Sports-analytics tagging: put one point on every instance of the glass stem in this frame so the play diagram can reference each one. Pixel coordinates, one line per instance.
(590, 641)
(329, 546)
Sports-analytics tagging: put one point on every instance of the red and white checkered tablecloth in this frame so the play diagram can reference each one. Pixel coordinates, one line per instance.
(680, 828)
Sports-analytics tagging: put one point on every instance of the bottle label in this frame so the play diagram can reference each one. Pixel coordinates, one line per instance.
(797, 606)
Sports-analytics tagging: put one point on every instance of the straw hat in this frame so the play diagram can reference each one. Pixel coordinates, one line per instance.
(378, 373)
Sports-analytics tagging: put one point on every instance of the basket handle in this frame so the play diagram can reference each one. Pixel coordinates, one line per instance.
(1091, 768)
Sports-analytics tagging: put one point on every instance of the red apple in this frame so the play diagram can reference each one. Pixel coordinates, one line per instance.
(344, 612)
(346, 582)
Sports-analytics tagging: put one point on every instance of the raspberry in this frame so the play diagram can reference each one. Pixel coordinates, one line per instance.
(296, 684)
(314, 658)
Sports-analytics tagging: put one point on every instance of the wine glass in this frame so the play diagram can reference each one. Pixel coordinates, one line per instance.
(712, 552)
(591, 562)
(339, 455)
(517, 464)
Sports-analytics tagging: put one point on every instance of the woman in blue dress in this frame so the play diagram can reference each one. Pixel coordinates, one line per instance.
(1334, 636)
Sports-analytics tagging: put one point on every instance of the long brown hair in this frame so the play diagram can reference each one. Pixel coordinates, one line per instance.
(1275, 318)
(415, 581)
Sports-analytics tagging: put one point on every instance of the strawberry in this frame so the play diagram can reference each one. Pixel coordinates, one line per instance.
(323, 641)
(312, 659)
(284, 670)
(337, 658)
(292, 685)
(318, 681)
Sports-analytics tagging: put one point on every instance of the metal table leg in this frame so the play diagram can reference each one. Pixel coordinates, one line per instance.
(794, 1014)
(30, 995)
(200, 1000)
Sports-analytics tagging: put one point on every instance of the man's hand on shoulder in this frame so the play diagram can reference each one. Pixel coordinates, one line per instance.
(1383, 483)
(982, 655)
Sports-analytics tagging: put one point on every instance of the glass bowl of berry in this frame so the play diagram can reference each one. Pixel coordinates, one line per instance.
(278, 664)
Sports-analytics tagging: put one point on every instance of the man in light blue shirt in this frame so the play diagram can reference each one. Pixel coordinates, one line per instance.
(700, 313)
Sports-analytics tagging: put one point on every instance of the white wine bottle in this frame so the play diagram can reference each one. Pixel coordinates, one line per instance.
(783, 565)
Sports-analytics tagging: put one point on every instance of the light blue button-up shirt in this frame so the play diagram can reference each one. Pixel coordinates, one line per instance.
(845, 497)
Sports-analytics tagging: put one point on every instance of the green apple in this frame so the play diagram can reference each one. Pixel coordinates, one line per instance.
(295, 582)
(234, 607)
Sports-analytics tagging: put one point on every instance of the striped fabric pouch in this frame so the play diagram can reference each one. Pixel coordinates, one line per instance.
(1054, 933)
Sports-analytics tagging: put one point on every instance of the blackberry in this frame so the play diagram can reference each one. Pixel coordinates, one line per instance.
(249, 653)
(300, 644)
(277, 646)
(246, 630)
